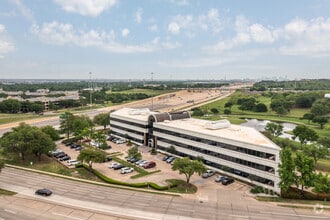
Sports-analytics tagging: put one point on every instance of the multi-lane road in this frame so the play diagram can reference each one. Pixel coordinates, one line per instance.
(77, 200)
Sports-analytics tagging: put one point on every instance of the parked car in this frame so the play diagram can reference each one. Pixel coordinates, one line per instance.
(165, 157)
(67, 157)
(227, 181)
(139, 162)
(119, 166)
(142, 163)
(108, 158)
(59, 155)
(126, 170)
(120, 141)
(208, 173)
(170, 159)
(73, 162)
(150, 164)
(44, 192)
(78, 148)
(113, 164)
(219, 178)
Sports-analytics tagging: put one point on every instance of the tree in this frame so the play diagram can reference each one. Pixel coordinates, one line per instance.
(320, 120)
(309, 117)
(324, 141)
(286, 169)
(2, 165)
(92, 155)
(227, 111)
(102, 119)
(26, 139)
(66, 123)
(197, 112)
(304, 134)
(188, 167)
(319, 108)
(52, 132)
(229, 104)
(80, 122)
(214, 111)
(316, 152)
(171, 149)
(274, 129)
(322, 183)
(305, 176)
(134, 152)
(260, 107)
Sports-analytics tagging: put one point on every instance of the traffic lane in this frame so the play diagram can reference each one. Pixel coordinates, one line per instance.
(127, 199)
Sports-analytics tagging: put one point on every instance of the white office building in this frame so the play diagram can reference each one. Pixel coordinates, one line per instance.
(237, 151)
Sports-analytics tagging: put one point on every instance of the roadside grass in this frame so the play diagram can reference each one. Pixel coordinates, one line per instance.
(291, 201)
(4, 192)
(10, 118)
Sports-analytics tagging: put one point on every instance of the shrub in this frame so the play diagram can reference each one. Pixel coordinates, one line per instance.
(257, 189)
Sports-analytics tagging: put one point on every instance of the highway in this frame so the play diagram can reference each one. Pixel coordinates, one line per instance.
(108, 201)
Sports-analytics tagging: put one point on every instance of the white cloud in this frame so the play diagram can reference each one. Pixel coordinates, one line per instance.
(211, 20)
(24, 10)
(65, 34)
(125, 32)
(6, 45)
(138, 16)
(180, 22)
(260, 34)
(86, 7)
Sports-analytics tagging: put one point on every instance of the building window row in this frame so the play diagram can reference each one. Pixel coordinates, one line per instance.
(251, 177)
(128, 122)
(218, 144)
(129, 137)
(127, 129)
(222, 156)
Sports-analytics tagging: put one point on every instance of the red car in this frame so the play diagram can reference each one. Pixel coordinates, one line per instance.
(150, 164)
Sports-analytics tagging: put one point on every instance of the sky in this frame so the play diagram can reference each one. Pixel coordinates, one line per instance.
(174, 39)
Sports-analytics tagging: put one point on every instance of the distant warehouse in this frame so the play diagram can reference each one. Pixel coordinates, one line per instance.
(237, 151)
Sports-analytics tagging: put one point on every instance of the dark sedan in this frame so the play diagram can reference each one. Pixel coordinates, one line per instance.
(44, 192)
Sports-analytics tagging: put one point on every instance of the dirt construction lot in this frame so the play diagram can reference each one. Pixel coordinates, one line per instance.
(207, 188)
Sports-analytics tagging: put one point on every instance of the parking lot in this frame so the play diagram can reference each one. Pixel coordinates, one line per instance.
(208, 189)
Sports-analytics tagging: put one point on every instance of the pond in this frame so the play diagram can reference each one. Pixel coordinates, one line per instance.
(261, 124)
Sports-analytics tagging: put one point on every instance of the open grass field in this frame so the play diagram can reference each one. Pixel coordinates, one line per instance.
(9, 118)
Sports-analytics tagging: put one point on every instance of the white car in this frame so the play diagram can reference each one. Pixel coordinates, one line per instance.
(139, 162)
(73, 162)
(142, 163)
(126, 170)
(113, 164)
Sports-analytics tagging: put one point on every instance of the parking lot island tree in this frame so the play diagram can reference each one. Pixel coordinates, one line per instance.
(52, 132)
(134, 152)
(92, 155)
(66, 123)
(102, 119)
(188, 167)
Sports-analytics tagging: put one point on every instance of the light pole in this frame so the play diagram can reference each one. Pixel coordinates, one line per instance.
(90, 89)
(152, 97)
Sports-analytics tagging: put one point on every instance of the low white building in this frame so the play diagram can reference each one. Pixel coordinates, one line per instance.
(234, 150)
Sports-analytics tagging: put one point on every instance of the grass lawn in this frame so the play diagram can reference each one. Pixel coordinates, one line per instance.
(9, 118)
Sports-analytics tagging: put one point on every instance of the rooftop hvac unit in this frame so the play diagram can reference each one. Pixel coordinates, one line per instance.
(214, 125)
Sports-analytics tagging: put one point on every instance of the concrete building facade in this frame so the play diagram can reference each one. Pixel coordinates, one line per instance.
(237, 151)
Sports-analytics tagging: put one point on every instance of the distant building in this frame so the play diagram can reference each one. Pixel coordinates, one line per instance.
(237, 151)
(327, 95)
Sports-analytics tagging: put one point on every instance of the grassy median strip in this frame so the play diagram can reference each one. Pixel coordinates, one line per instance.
(4, 192)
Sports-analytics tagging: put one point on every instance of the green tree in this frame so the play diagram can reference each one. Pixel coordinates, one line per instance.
(41, 142)
(324, 141)
(320, 120)
(99, 137)
(214, 111)
(316, 152)
(134, 152)
(322, 183)
(260, 107)
(66, 123)
(92, 155)
(319, 108)
(52, 132)
(2, 165)
(229, 104)
(227, 111)
(304, 134)
(80, 122)
(305, 176)
(171, 149)
(102, 119)
(188, 167)
(274, 129)
(309, 117)
(286, 169)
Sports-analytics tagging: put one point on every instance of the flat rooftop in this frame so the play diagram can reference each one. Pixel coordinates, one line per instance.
(140, 114)
(222, 129)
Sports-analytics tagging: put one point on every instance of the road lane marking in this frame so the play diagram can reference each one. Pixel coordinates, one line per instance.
(59, 214)
(10, 211)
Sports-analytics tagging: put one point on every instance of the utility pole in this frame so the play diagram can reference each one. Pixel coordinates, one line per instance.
(90, 90)
(152, 97)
